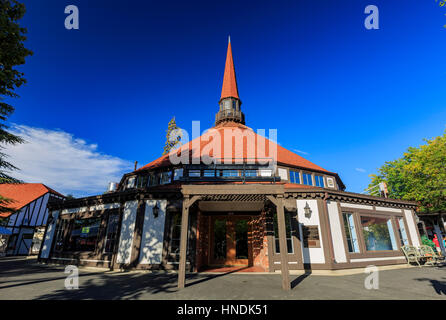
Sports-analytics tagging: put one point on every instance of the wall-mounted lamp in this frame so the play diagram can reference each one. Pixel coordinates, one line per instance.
(156, 210)
(307, 210)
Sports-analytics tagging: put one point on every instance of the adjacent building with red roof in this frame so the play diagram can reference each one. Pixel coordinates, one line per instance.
(26, 222)
(230, 198)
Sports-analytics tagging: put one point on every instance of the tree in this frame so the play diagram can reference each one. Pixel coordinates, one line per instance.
(420, 175)
(173, 137)
(12, 54)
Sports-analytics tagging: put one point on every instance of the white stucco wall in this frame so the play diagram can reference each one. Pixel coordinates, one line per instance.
(153, 233)
(310, 255)
(127, 232)
(413, 230)
(47, 242)
(336, 232)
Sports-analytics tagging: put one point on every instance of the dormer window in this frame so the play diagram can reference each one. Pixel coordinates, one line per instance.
(319, 181)
(306, 177)
(131, 183)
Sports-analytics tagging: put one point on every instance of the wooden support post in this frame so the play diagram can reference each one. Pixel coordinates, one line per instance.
(282, 244)
(183, 243)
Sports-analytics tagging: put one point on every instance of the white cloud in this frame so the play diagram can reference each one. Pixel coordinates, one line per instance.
(300, 151)
(63, 162)
(361, 170)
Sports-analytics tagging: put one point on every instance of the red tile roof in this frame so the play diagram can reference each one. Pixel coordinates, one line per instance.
(229, 88)
(22, 194)
(252, 148)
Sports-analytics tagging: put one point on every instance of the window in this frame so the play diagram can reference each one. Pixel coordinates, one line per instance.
(209, 173)
(174, 246)
(289, 239)
(350, 232)
(306, 177)
(378, 234)
(112, 232)
(154, 179)
(131, 182)
(194, 173)
(294, 176)
(319, 181)
(231, 173)
(250, 173)
(4, 222)
(166, 177)
(142, 181)
(402, 231)
(266, 173)
(59, 239)
(178, 173)
(84, 236)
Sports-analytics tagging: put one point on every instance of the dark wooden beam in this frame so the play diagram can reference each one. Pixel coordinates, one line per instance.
(183, 243)
(282, 244)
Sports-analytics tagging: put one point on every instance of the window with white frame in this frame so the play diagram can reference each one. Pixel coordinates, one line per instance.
(378, 233)
(306, 177)
(402, 231)
(294, 176)
(350, 232)
(288, 228)
(319, 180)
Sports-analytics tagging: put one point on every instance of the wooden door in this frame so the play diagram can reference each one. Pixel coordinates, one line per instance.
(230, 241)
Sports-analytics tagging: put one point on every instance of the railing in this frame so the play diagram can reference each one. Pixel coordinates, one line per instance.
(235, 115)
(217, 173)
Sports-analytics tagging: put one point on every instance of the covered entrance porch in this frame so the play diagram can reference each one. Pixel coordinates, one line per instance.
(231, 228)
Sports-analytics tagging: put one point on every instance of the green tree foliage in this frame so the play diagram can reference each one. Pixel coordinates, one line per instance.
(420, 175)
(12, 54)
(428, 242)
(173, 137)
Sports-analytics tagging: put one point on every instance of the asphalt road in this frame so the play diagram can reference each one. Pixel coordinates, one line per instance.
(24, 279)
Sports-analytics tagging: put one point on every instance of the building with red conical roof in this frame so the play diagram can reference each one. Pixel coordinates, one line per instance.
(233, 199)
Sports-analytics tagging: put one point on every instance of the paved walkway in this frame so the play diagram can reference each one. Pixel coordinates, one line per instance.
(22, 278)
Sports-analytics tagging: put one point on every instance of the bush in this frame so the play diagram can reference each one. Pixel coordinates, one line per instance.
(427, 242)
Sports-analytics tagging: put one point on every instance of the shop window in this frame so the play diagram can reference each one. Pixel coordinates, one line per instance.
(319, 181)
(378, 234)
(289, 239)
(402, 231)
(84, 236)
(294, 177)
(306, 177)
(174, 245)
(350, 233)
(111, 236)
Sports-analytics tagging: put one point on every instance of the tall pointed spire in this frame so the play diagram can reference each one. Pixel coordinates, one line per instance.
(229, 88)
(229, 101)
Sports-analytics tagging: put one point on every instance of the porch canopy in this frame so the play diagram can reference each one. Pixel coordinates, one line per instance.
(227, 194)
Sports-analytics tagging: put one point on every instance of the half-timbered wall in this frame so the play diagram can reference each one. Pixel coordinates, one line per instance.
(312, 255)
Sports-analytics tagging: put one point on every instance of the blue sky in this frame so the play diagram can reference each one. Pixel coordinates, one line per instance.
(347, 98)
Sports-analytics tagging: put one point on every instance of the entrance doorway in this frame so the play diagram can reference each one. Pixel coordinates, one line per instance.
(230, 241)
